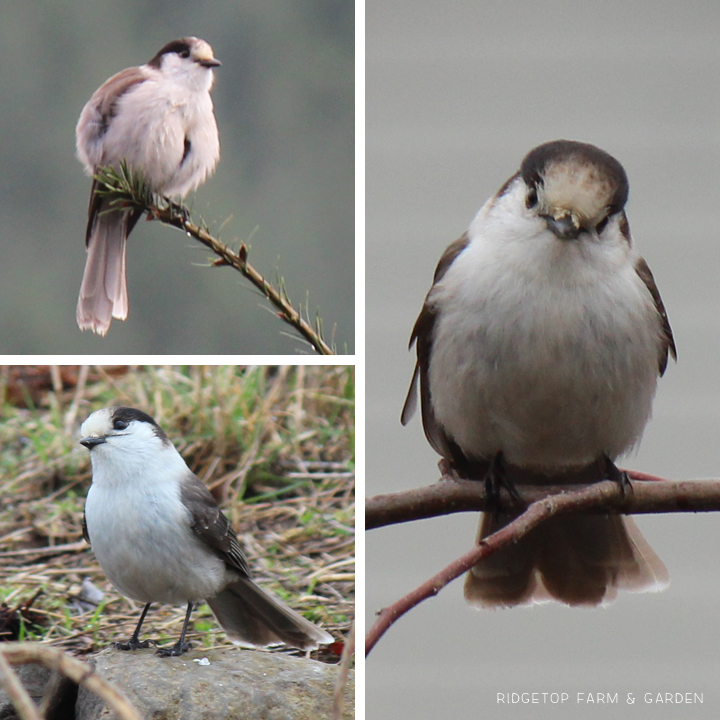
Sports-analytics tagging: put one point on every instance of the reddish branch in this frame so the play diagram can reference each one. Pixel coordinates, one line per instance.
(450, 495)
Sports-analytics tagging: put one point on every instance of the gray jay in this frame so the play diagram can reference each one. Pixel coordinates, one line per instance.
(159, 536)
(539, 346)
(159, 119)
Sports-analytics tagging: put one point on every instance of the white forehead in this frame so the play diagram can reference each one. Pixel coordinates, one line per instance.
(202, 49)
(101, 424)
(579, 186)
(98, 424)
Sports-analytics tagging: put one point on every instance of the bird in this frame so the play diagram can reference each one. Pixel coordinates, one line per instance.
(539, 347)
(158, 119)
(159, 536)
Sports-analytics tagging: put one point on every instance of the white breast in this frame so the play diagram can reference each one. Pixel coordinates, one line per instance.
(149, 131)
(544, 350)
(142, 540)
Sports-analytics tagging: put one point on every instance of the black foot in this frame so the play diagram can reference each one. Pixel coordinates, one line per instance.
(175, 651)
(496, 479)
(179, 211)
(134, 645)
(612, 472)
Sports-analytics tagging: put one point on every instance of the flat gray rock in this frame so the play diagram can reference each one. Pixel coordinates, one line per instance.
(237, 683)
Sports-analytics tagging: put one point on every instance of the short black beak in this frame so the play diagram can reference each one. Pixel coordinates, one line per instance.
(212, 62)
(91, 442)
(564, 228)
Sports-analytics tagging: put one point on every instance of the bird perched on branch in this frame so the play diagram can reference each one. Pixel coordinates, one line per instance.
(538, 351)
(157, 118)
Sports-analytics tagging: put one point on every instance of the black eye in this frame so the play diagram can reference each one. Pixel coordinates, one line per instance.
(532, 198)
(601, 225)
(120, 425)
(184, 53)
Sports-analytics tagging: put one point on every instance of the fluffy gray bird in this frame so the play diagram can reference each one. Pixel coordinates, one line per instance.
(159, 119)
(539, 347)
(159, 536)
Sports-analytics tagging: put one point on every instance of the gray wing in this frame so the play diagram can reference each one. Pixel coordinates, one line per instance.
(99, 111)
(211, 526)
(668, 342)
(422, 336)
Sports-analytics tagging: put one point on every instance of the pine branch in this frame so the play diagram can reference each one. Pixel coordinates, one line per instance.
(126, 189)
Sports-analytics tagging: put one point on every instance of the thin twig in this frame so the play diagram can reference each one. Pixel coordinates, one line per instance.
(77, 397)
(19, 696)
(649, 494)
(78, 672)
(125, 188)
(603, 494)
(341, 680)
(79, 546)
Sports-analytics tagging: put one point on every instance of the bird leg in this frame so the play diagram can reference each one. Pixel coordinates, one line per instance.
(134, 642)
(180, 646)
(612, 472)
(495, 479)
(178, 211)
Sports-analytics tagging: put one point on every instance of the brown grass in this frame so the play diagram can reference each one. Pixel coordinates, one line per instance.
(274, 444)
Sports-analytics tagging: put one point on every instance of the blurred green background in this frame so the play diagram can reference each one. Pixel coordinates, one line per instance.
(284, 100)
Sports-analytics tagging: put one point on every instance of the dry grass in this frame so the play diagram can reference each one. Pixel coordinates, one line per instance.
(275, 445)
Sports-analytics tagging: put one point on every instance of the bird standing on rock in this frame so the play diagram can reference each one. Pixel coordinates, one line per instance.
(159, 536)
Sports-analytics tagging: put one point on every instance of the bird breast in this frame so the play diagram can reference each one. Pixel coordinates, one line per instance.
(549, 357)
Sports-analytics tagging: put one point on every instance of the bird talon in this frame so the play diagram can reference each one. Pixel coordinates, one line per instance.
(175, 651)
(495, 480)
(621, 477)
(134, 645)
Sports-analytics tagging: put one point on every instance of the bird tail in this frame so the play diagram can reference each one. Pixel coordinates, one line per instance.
(252, 616)
(103, 294)
(576, 559)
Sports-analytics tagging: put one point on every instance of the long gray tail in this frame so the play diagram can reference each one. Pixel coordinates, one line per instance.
(253, 616)
(103, 294)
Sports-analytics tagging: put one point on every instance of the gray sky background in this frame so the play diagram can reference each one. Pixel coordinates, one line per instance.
(284, 100)
(457, 93)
